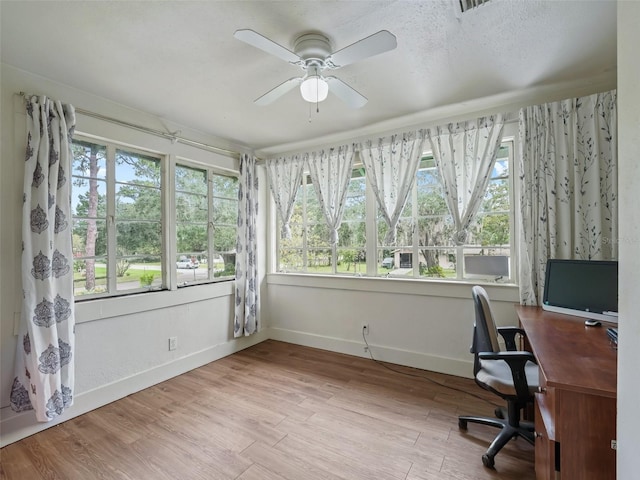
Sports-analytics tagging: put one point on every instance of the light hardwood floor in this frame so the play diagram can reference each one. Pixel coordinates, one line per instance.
(277, 411)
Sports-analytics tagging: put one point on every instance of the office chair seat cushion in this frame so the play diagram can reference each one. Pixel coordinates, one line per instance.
(496, 374)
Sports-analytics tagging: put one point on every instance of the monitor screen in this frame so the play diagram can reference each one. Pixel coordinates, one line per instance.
(587, 288)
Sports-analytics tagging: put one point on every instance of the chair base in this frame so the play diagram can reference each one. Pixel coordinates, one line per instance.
(507, 432)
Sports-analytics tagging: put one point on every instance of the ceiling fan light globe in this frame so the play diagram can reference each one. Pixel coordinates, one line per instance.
(314, 89)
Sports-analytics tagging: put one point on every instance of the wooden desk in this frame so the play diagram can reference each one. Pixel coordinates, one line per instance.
(575, 412)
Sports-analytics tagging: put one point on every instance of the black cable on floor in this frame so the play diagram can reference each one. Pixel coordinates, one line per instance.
(423, 377)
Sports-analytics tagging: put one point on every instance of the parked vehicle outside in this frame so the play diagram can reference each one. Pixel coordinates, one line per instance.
(387, 262)
(190, 263)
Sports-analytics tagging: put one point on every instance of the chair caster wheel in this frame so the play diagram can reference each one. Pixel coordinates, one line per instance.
(462, 424)
(488, 461)
(499, 413)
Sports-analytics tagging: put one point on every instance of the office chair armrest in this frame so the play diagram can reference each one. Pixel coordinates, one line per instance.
(509, 335)
(517, 356)
(517, 362)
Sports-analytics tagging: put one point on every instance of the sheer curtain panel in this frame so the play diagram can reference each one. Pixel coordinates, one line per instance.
(390, 166)
(44, 378)
(247, 310)
(465, 153)
(568, 186)
(285, 175)
(330, 172)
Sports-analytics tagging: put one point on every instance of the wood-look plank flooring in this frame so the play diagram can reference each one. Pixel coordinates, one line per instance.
(278, 411)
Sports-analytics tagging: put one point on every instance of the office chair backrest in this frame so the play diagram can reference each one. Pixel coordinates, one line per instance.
(485, 334)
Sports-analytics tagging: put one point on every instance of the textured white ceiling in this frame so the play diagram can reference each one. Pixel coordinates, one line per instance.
(180, 61)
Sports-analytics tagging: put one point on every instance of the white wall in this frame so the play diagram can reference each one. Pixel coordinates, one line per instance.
(121, 344)
(412, 322)
(629, 215)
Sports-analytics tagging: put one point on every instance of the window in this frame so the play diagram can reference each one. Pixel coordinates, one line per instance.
(351, 252)
(206, 219)
(429, 251)
(424, 245)
(121, 231)
(308, 231)
(117, 219)
(309, 249)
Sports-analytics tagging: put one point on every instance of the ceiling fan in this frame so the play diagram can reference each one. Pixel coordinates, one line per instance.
(312, 52)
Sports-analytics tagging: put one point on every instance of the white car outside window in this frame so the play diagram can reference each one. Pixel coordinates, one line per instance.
(387, 262)
(186, 263)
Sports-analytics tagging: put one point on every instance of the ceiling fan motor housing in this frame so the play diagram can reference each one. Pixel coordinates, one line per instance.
(313, 48)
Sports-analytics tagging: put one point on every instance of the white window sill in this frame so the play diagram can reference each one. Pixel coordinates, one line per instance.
(403, 286)
(99, 309)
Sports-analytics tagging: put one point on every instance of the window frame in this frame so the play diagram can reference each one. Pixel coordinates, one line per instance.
(111, 220)
(460, 250)
(305, 248)
(373, 248)
(211, 171)
(168, 240)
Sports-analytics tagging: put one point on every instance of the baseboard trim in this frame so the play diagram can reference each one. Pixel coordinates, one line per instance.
(16, 426)
(449, 366)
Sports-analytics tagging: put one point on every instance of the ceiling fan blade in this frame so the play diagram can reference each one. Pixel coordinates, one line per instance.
(278, 91)
(263, 43)
(345, 93)
(380, 42)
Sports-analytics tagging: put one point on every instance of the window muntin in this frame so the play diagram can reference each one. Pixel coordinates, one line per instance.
(206, 224)
(117, 218)
(424, 246)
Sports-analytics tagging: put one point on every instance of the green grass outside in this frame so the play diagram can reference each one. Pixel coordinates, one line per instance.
(361, 267)
(131, 275)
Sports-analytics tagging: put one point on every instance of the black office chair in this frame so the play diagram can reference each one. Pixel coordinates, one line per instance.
(511, 374)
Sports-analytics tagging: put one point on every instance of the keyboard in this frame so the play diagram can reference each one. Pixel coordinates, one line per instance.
(612, 332)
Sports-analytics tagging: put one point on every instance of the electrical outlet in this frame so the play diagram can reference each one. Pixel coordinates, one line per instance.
(173, 343)
(365, 329)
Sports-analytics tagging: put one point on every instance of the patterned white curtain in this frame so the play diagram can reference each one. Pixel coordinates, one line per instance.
(390, 166)
(330, 172)
(568, 186)
(465, 154)
(285, 175)
(44, 378)
(247, 311)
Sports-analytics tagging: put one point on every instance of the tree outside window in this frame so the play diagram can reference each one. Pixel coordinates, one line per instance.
(117, 213)
(206, 224)
(424, 246)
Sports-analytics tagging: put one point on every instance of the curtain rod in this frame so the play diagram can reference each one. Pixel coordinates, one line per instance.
(159, 133)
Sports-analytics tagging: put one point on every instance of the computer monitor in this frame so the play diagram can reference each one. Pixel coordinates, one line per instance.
(586, 288)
